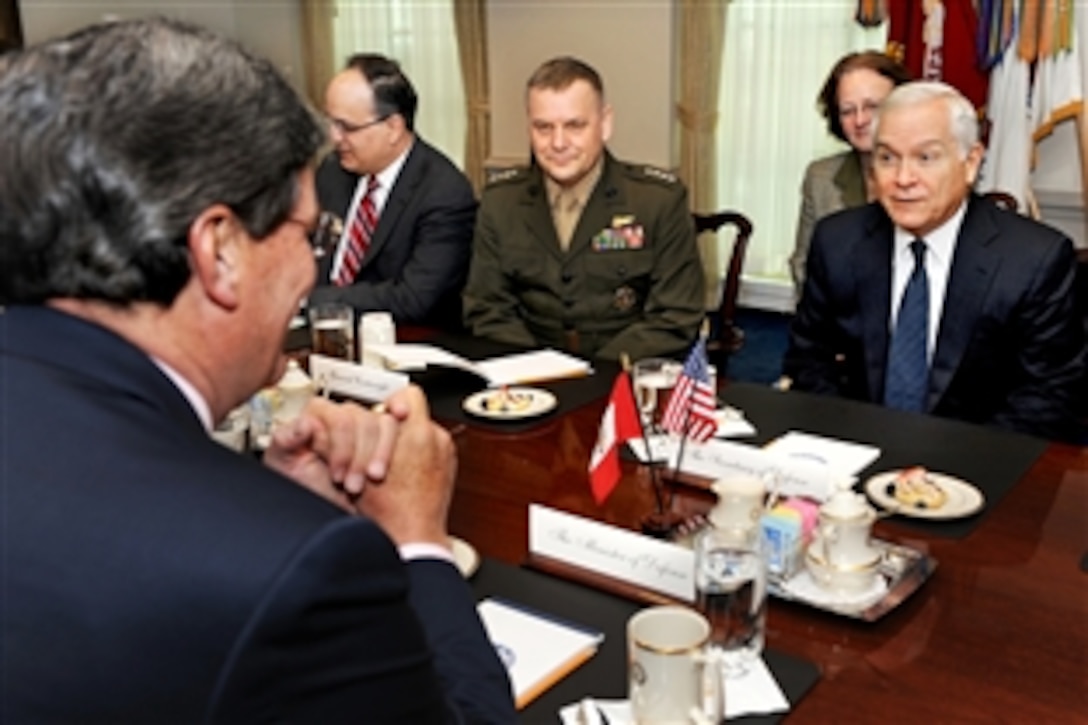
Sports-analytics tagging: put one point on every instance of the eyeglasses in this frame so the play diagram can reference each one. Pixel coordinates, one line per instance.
(346, 127)
(868, 107)
(324, 235)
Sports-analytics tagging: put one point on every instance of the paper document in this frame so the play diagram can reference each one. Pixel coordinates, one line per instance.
(533, 367)
(516, 369)
(538, 650)
(844, 456)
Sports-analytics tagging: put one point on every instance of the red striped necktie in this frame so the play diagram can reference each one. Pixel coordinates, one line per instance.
(360, 233)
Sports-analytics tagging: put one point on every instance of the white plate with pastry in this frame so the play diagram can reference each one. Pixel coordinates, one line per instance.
(924, 494)
(465, 556)
(515, 403)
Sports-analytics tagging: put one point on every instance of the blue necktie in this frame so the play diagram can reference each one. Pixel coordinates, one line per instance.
(907, 378)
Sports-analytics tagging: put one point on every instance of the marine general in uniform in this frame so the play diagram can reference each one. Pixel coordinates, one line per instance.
(581, 251)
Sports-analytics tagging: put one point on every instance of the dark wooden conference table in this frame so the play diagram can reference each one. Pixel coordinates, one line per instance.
(999, 632)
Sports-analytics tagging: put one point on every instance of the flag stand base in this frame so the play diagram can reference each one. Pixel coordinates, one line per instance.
(661, 525)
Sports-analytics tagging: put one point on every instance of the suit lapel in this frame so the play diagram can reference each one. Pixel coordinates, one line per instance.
(969, 277)
(335, 189)
(404, 188)
(850, 181)
(873, 280)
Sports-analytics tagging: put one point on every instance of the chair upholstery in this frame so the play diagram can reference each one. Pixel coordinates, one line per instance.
(725, 338)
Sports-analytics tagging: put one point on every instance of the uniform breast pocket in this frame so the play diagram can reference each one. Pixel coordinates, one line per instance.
(620, 279)
(524, 267)
(622, 267)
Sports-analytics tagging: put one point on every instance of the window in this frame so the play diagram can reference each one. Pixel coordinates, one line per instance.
(777, 55)
(421, 37)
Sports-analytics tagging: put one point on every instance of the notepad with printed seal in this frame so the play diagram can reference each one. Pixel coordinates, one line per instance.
(538, 649)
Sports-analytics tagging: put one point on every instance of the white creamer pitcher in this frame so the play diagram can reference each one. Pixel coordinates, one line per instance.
(293, 390)
(846, 523)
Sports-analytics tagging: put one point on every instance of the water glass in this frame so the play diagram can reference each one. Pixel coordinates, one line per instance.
(331, 330)
(654, 379)
(731, 592)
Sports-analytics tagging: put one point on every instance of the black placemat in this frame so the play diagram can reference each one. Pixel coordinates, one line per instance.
(605, 674)
(447, 388)
(989, 458)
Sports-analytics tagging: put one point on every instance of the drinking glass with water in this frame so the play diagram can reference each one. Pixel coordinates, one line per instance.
(731, 592)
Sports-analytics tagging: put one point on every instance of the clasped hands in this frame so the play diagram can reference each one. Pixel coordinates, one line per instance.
(396, 466)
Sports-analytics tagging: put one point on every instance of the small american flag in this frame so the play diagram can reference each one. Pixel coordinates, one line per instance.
(691, 407)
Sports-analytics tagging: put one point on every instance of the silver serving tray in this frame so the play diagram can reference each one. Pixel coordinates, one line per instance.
(903, 568)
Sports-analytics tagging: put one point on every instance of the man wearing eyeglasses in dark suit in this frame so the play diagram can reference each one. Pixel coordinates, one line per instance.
(149, 574)
(417, 207)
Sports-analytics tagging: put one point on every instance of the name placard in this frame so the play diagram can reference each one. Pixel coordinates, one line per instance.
(786, 475)
(369, 384)
(614, 552)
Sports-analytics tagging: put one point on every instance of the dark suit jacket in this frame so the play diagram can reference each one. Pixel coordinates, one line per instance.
(151, 575)
(1010, 349)
(417, 261)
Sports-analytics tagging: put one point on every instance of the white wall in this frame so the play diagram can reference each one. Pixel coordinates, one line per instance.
(1057, 183)
(629, 43)
(268, 27)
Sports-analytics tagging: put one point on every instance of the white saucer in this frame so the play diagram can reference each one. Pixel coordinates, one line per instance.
(465, 556)
(963, 498)
(536, 402)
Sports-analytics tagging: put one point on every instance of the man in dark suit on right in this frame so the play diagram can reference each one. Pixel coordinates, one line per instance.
(420, 207)
(984, 329)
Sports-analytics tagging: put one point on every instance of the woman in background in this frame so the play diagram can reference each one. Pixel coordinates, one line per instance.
(856, 86)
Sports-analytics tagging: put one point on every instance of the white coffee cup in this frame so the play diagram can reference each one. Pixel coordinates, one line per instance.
(375, 328)
(672, 677)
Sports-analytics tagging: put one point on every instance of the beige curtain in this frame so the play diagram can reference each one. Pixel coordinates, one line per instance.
(702, 34)
(470, 19)
(318, 61)
(11, 31)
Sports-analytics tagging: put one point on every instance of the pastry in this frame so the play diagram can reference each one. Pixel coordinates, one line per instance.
(915, 487)
(507, 401)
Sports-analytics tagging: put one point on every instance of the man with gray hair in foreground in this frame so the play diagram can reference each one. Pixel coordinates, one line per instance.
(933, 300)
(156, 190)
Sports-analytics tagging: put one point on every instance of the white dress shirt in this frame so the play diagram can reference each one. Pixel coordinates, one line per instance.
(940, 246)
(386, 178)
(196, 400)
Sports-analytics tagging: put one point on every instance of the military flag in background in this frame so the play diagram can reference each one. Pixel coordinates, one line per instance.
(1037, 82)
(935, 40)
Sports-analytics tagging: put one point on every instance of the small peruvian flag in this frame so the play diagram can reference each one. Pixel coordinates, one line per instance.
(619, 424)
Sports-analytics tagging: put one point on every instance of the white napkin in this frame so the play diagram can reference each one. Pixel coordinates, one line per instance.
(661, 448)
(731, 424)
(754, 693)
